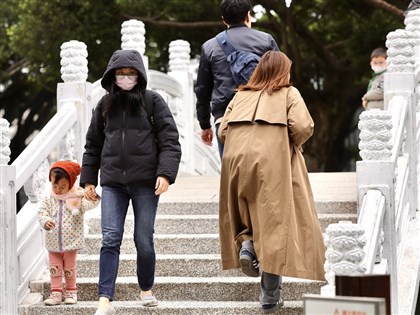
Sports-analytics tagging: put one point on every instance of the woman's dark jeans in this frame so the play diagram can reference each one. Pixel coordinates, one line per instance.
(114, 205)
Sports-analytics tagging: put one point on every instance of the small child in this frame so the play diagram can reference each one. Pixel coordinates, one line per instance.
(374, 97)
(61, 214)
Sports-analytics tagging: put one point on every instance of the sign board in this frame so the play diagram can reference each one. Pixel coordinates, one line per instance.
(376, 286)
(342, 305)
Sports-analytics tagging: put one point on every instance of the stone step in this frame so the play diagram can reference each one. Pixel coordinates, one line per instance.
(205, 243)
(164, 308)
(164, 244)
(201, 224)
(197, 265)
(189, 279)
(193, 208)
(168, 224)
(189, 288)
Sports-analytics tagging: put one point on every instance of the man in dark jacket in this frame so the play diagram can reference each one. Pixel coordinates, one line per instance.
(215, 84)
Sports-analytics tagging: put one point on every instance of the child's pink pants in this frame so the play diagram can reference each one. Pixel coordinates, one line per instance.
(60, 262)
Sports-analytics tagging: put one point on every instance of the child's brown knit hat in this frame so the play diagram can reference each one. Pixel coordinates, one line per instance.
(71, 168)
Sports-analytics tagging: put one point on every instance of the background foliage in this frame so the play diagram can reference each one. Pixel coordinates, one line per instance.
(329, 42)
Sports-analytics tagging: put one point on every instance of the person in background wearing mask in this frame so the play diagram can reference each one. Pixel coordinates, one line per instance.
(138, 154)
(374, 97)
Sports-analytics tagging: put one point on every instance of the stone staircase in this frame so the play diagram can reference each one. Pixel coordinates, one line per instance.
(189, 279)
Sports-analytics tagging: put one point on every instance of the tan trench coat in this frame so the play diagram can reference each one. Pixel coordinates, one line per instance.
(265, 194)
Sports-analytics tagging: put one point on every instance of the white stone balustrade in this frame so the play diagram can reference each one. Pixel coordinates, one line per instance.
(412, 25)
(400, 51)
(387, 175)
(375, 135)
(74, 61)
(344, 255)
(8, 244)
(132, 36)
(75, 89)
(179, 55)
(35, 185)
(4, 142)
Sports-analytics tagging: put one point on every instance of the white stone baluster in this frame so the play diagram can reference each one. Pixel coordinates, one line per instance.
(4, 142)
(412, 25)
(179, 62)
(344, 255)
(73, 61)
(179, 65)
(399, 77)
(375, 135)
(132, 38)
(8, 246)
(76, 91)
(35, 185)
(179, 55)
(400, 51)
(402, 79)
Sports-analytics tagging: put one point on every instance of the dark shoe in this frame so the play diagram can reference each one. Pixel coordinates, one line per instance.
(271, 308)
(249, 263)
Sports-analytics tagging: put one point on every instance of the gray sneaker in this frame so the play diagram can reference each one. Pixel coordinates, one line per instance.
(109, 311)
(148, 300)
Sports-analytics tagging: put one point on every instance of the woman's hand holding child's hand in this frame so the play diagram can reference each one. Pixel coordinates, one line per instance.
(90, 193)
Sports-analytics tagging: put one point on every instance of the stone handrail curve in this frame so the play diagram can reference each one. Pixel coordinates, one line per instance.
(41, 146)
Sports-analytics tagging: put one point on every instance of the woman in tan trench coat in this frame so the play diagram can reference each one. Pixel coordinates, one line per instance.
(267, 208)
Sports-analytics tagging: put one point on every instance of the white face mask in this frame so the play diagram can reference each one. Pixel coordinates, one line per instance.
(125, 82)
(378, 69)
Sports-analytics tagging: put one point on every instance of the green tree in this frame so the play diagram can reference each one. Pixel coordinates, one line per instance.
(329, 42)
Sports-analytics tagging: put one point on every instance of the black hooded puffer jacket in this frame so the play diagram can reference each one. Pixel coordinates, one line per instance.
(125, 148)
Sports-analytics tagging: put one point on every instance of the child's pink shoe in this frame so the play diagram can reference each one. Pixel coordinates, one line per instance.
(70, 297)
(54, 299)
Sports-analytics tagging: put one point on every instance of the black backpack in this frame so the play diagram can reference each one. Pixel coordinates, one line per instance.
(242, 63)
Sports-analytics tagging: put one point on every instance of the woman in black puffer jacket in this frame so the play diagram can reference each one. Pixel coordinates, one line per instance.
(133, 141)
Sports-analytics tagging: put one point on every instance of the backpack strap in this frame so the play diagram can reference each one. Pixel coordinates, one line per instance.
(225, 43)
(148, 103)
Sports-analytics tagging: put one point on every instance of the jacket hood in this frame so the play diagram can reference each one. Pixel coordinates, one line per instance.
(124, 59)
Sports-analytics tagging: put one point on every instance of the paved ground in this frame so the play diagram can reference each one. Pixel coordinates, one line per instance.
(325, 186)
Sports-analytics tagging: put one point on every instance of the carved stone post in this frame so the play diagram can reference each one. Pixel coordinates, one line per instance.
(412, 25)
(8, 243)
(35, 186)
(376, 172)
(132, 37)
(375, 135)
(344, 255)
(179, 65)
(75, 91)
(399, 77)
(401, 80)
